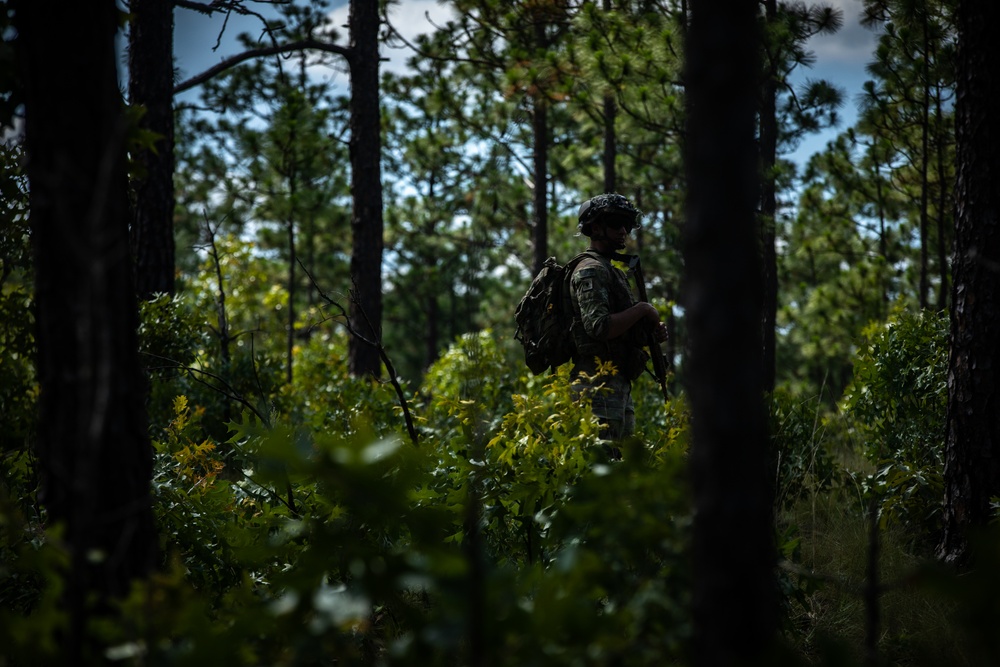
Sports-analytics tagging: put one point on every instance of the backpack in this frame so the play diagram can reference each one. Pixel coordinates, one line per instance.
(544, 315)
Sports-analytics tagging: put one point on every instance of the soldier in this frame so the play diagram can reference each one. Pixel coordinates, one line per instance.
(608, 324)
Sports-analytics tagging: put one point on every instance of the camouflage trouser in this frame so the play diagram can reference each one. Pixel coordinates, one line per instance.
(611, 402)
(618, 429)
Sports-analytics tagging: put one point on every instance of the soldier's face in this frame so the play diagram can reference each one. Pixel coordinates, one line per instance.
(616, 230)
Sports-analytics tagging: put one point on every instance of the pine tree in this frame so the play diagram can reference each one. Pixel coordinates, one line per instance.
(93, 446)
(732, 551)
(972, 467)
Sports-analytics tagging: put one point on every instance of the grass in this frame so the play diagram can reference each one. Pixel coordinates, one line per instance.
(916, 624)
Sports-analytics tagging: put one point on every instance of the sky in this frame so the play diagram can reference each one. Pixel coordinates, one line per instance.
(195, 35)
(840, 58)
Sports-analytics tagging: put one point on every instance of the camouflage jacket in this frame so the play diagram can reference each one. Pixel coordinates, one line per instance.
(598, 289)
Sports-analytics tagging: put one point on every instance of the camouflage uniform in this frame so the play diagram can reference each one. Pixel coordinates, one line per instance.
(598, 289)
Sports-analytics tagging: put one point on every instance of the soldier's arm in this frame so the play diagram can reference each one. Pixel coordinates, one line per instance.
(626, 319)
(590, 292)
(590, 284)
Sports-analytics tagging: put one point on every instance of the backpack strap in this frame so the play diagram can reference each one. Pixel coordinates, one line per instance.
(571, 264)
(567, 296)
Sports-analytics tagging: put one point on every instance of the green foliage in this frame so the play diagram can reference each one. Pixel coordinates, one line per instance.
(529, 465)
(620, 550)
(803, 463)
(473, 371)
(32, 614)
(18, 384)
(324, 395)
(18, 390)
(170, 339)
(314, 554)
(837, 275)
(898, 400)
(338, 547)
(170, 333)
(482, 426)
(202, 519)
(599, 545)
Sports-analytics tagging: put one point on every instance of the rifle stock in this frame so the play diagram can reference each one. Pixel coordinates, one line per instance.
(655, 351)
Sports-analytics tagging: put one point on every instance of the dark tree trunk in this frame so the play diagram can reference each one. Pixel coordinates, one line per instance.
(151, 83)
(540, 128)
(610, 137)
(292, 295)
(734, 594)
(433, 334)
(610, 144)
(540, 166)
(925, 120)
(93, 446)
(366, 189)
(972, 449)
(769, 206)
(942, 202)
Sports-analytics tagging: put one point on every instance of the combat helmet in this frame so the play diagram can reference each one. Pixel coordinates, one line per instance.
(607, 204)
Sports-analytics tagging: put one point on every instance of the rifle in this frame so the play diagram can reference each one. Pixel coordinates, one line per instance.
(655, 351)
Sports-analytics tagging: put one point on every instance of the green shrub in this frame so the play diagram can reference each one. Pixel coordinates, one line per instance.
(898, 401)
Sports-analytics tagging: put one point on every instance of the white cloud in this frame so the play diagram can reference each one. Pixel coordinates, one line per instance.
(853, 44)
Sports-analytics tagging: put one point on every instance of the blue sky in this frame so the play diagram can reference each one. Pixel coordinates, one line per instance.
(840, 58)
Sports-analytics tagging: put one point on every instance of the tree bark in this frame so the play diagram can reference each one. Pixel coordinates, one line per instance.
(93, 446)
(151, 80)
(610, 144)
(943, 199)
(540, 163)
(925, 120)
(972, 448)
(769, 206)
(734, 593)
(540, 127)
(366, 189)
(610, 137)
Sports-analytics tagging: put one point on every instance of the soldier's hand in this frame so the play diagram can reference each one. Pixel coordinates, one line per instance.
(650, 314)
(652, 321)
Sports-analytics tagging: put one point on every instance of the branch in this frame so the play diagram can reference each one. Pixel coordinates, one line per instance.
(377, 343)
(300, 45)
(226, 389)
(228, 7)
(218, 7)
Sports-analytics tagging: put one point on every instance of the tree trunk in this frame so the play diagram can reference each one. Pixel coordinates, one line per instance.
(734, 594)
(925, 120)
(769, 206)
(610, 144)
(972, 463)
(540, 166)
(292, 295)
(151, 83)
(943, 197)
(366, 189)
(93, 446)
(610, 137)
(540, 128)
